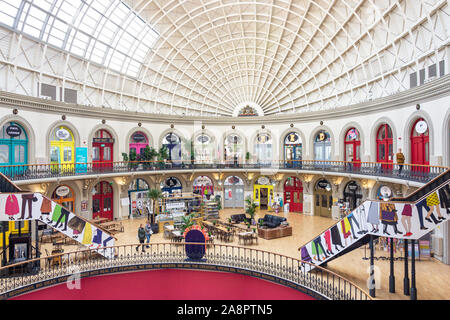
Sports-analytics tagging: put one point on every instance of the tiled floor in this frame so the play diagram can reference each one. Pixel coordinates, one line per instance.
(432, 276)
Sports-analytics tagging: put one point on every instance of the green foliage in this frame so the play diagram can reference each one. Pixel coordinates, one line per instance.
(250, 207)
(125, 156)
(187, 221)
(247, 156)
(155, 195)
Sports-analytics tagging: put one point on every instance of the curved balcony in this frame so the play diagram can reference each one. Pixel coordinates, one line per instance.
(47, 271)
(409, 172)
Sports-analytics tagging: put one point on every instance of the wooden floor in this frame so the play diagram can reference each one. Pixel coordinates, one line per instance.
(432, 276)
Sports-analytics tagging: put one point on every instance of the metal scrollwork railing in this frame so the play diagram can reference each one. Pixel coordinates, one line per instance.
(319, 283)
(411, 172)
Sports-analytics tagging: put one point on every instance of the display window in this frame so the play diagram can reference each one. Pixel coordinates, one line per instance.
(173, 144)
(233, 149)
(139, 199)
(203, 186)
(322, 146)
(233, 192)
(293, 150)
(263, 148)
(203, 149)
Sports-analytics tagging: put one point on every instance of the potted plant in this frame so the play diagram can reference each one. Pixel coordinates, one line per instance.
(187, 221)
(247, 156)
(250, 209)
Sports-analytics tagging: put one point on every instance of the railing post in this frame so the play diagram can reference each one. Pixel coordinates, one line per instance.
(391, 276)
(372, 270)
(413, 271)
(406, 279)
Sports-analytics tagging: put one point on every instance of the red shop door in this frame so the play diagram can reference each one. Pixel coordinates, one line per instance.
(420, 149)
(102, 201)
(294, 196)
(102, 155)
(352, 149)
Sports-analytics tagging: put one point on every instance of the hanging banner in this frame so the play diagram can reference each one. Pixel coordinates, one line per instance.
(81, 159)
(35, 206)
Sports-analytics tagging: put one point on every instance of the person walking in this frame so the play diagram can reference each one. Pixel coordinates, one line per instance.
(141, 237)
(148, 232)
(400, 157)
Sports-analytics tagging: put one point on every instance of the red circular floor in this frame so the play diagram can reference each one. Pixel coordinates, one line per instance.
(170, 284)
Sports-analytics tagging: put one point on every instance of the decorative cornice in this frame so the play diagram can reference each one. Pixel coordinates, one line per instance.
(431, 90)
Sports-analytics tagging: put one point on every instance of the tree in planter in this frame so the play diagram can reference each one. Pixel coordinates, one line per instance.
(147, 155)
(155, 195)
(250, 208)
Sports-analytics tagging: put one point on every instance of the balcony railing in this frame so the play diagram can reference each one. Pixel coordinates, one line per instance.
(411, 172)
(38, 273)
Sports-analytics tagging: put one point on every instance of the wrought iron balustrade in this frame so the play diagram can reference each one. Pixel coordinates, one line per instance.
(38, 273)
(411, 172)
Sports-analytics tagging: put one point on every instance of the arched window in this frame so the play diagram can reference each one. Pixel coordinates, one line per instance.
(322, 146)
(173, 144)
(203, 149)
(385, 148)
(292, 150)
(138, 142)
(172, 185)
(353, 194)
(233, 149)
(203, 185)
(263, 148)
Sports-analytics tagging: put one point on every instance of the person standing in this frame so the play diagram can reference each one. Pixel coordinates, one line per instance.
(141, 237)
(148, 232)
(400, 157)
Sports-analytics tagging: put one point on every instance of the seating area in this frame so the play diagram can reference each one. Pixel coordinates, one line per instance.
(271, 221)
(239, 218)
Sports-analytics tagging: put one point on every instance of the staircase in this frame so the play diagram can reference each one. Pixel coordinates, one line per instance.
(403, 218)
(18, 205)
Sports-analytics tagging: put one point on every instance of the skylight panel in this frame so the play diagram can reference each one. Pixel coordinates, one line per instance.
(107, 32)
(8, 11)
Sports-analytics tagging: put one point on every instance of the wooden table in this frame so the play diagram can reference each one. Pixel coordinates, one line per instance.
(98, 220)
(273, 233)
(247, 237)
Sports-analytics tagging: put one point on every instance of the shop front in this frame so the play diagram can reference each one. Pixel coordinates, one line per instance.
(65, 197)
(323, 199)
(352, 151)
(420, 145)
(293, 150)
(233, 149)
(203, 186)
(139, 201)
(13, 148)
(233, 192)
(322, 146)
(62, 149)
(263, 148)
(173, 144)
(385, 147)
(138, 142)
(172, 186)
(203, 149)
(263, 193)
(102, 150)
(293, 194)
(353, 195)
(102, 200)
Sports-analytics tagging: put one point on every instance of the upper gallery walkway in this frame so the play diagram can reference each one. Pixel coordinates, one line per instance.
(417, 174)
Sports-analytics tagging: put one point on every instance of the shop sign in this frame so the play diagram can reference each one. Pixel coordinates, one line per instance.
(139, 137)
(323, 184)
(292, 138)
(352, 186)
(421, 127)
(172, 182)
(385, 192)
(103, 140)
(263, 181)
(62, 191)
(62, 134)
(171, 138)
(203, 138)
(13, 131)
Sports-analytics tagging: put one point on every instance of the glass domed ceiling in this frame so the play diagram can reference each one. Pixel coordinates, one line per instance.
(209, 58)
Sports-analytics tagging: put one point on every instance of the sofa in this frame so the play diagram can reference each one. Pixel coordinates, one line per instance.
(238, 218)
(271, 221)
